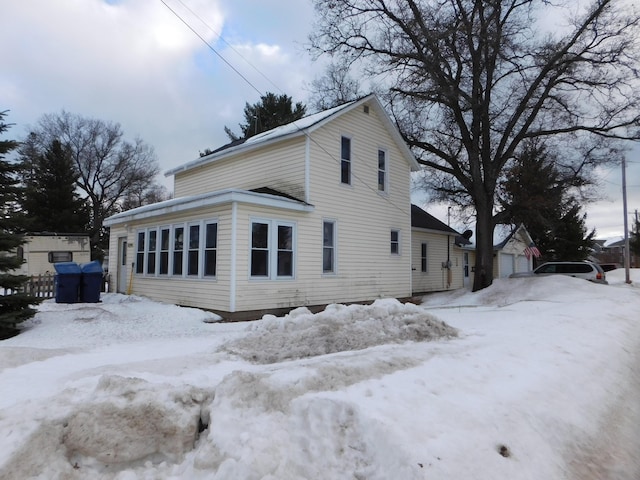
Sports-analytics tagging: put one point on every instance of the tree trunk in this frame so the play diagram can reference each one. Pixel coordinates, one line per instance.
(483, 276)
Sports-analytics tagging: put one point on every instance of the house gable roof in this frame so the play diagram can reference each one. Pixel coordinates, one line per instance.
(421, 219)
(301, 127)
(522, 230)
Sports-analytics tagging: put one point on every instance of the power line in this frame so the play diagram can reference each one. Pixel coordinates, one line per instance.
(211, 47)
(404, 211)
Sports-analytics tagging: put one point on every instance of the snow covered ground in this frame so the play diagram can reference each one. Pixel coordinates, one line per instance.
(533, 378)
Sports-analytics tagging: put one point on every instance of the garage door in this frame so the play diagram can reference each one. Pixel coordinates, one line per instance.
(506, 264)
(523, 264)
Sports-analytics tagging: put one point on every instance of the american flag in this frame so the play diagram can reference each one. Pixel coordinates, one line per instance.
(532, 250)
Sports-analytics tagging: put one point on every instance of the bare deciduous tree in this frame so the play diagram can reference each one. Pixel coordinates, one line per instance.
(109, 167)
(470, 80)
(335, 87)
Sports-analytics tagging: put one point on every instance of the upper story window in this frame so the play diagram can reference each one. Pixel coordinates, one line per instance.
(328, 246)
(272, 249)
(395, 242)
(345, 161)
(382, 171)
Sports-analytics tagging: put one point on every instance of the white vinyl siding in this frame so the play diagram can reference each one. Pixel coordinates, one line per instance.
(434, 245)
(279, 167)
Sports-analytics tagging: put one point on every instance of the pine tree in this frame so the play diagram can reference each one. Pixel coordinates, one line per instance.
(535, 193)
(50, 200)
(270, 112)
(14, 307)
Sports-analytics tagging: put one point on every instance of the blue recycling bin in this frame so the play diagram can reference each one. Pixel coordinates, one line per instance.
(91, 282)
(67, 282)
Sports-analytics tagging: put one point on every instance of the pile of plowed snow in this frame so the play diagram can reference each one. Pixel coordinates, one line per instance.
(339, 328)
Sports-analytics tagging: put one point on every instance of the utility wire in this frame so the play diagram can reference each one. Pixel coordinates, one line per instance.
(212, 48)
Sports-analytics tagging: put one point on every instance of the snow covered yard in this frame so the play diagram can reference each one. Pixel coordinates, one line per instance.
(533, 378)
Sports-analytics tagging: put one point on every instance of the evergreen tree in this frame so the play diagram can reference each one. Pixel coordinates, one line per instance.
(14, 307)
(537, 194)
(270, 112)
(50, 200)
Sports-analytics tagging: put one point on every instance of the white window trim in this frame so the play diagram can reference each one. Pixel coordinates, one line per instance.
(272, 249)
(426, 257)
(185, 250)
(351, 149)
(335, 247)
(399, 252)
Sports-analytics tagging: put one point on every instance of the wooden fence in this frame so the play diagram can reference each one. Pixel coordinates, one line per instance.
(44, 286)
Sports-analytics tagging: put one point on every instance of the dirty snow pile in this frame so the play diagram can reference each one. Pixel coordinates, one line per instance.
(339, 328)
(528, 379)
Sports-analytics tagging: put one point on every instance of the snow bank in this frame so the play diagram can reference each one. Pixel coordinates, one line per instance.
(339, 328)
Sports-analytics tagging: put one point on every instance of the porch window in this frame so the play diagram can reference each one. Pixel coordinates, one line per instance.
(164, 251)
(193, 260)
(151, 252)
(140, 253)
(178, 250)
(210, 249)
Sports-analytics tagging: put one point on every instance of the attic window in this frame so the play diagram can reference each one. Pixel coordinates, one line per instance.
(366, 109)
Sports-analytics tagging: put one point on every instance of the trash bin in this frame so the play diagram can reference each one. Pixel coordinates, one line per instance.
(91, 282)
(67, 282)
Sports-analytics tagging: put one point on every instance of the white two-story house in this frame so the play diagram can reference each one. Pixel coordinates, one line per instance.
(310, 213)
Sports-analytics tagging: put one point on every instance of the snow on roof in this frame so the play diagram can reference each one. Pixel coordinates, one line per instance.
(299, 127)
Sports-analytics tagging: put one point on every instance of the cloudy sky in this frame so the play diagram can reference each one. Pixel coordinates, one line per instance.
(136, 63)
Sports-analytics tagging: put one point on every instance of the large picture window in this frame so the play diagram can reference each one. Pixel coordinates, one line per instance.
(177, 250)
(272, 249)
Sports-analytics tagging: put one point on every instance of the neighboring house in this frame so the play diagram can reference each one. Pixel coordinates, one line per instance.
(437, 259)
(612, 252)
(310, 213)
(513, 254)
(42, 250)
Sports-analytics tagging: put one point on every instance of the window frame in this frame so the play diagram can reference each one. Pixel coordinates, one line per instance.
(346, 162)
(51, 256)
(383, 171)
(332, 247)
(147, 255)
(273, 249)
(424, 257)
(395, 242)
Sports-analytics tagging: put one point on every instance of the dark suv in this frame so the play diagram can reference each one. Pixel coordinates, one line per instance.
(587, 270)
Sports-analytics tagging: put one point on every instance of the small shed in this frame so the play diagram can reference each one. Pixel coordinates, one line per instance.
(42, 250)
